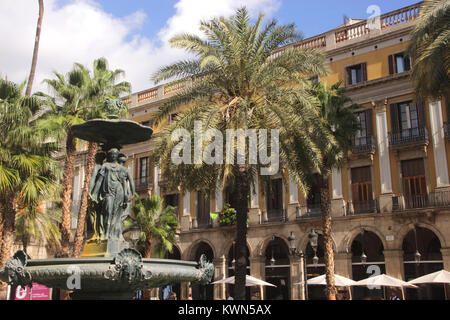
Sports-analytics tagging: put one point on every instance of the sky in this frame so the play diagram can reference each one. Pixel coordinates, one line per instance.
(133, 35)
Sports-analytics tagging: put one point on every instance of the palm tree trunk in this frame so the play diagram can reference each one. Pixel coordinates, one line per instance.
(81, 224)
(148, 246)
(36, 48)
(9, 228)
(330, 289)
(242, 190)
(66, 194)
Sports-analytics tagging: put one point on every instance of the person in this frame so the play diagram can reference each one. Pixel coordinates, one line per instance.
(394, 296)
(229, 297)
(190, 297)
(172, 296)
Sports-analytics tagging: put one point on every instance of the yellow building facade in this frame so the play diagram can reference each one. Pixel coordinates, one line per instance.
(390, 200)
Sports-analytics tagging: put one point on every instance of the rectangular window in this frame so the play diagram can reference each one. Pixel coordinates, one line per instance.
(203, 210)
(356, 74)
(143, 170)
(362, 190)
(313, 200)
(408, 122)
(275, 200)
(172, 200)
(414, 183)
(399, 62)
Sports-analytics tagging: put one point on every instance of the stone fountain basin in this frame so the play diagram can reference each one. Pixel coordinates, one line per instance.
(126, 272)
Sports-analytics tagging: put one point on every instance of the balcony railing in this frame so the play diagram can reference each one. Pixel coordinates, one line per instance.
(279, 215)
(440, 199)
(309, 211)
(205, 223)
(327, 41)
(408, 136)
(362, 207)
(364, 144)
(143, 183)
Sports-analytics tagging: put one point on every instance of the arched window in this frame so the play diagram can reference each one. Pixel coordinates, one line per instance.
(424, 242)
(277, 270)
(367, 260)
(203, 292)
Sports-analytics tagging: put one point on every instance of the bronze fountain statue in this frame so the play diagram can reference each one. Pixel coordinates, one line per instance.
(115, 271)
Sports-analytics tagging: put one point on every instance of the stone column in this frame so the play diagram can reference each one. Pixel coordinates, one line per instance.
(293, 200)
(446, 258)
(297, 275)
(394, 263)
(186, 217)
(438, 139)
(385, 164)
(220, 268)
(337, 199)
(254, 214)
(156, 176)
(257, 270)
(343, 264)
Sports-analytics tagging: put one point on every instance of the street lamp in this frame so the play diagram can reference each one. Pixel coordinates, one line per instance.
(132, 234)
(417, 255)
(313, 241)
(363, 255)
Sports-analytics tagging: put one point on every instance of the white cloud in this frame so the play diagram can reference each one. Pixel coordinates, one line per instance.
(82, 31)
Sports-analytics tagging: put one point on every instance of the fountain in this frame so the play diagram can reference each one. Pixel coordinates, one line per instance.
(108, 268)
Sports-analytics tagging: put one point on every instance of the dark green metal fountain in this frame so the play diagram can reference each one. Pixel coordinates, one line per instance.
(115, 271)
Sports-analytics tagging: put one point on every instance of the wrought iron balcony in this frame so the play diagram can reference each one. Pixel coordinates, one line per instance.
(408, 136)
(362, 207)
(205, 223)
(278, 215)
(439, 199)
(309, 211)
(143, 183)
(364, 144)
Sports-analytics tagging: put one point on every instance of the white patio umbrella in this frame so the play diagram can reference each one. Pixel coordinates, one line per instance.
(383, 280)
(249, 281)
(438, 277)
(339, 281)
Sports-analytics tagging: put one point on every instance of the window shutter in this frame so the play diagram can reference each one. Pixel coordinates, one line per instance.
(369, 127)
(407, 62)
(364, 71)
(347, 76)
(395, 122)
(391, 64)
(421, 114)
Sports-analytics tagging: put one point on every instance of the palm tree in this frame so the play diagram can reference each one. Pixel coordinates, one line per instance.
(36, 47)
(340, 121)
(67, 108)
(428, 47)
(103, 84)
(35, 223)
(27, 171)
(158, 225)
(239, 83)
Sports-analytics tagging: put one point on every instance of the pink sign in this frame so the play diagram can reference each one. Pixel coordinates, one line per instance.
(38, 292)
